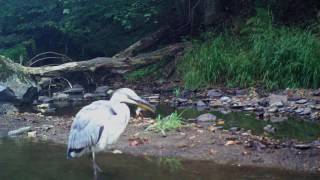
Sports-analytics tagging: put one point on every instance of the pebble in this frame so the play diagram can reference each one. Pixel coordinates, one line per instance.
(277, 104)
(116, 151)
(215, 104)
(249, 109)
(273, 110)
(32, 134)
(225, 99)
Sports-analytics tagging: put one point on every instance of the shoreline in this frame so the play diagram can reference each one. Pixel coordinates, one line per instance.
(192, 142)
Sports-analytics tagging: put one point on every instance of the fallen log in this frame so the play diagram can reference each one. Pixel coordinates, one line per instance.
(115, 64)
(142, 44)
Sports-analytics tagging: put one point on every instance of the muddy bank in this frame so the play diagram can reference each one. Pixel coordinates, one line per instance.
(193, 141)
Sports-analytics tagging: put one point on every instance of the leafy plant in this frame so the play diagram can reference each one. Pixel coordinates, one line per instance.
(168, 123)
(177, 91)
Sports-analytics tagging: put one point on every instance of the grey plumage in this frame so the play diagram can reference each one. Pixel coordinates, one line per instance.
(101, 123)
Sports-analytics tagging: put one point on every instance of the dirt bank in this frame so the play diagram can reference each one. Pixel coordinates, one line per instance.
(193, 141)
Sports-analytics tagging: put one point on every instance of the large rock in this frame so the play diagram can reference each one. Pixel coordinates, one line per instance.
(278, 100)
(24, 88)
(6, 94)
(102, 90)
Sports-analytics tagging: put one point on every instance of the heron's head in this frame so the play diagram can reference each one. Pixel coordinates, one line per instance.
(126, 95)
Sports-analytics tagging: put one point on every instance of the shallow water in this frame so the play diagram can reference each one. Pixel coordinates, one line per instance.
(26, 160)
(292, 128)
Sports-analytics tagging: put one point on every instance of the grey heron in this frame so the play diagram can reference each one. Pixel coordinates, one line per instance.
(101, 123)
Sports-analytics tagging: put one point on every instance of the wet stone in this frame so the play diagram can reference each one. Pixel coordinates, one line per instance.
(278, 99)
(306, 111)
(76, 89)
(214, 94)
(102, 90)
(182, 100)
(225, 99)
(200, 103)
(60, 97)
(237, 105)
(216, 104)
(273, 110)
(316, 92)
(302, 101)
(6, 94)
(263, 102)
(234, 129)
(316, 107)
(277, 104)
(302, 146)
(206, 117)
(45, 99)
(249, 109)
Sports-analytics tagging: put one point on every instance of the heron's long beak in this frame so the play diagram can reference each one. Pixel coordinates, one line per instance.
(143, 104)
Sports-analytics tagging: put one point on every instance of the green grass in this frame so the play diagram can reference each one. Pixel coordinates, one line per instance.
(168, 123)
(260, 54)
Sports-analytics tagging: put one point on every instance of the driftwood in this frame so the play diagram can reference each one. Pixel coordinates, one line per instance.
(142, 44)
(119, 65)
(122, 62)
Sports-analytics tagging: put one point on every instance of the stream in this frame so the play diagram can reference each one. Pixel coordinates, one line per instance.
(29, 160)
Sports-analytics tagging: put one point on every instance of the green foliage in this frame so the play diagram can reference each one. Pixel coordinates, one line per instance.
(15, 53)
(263, 54)
(91, 27)
(168, 123)
(177, 91)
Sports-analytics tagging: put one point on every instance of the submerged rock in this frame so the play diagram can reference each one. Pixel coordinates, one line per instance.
(269, 129)
(206, 117)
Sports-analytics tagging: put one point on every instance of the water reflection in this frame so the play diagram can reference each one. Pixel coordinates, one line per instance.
(24, 160)
(286, 127)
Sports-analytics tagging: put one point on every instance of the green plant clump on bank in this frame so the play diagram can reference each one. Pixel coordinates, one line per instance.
(168, 123)
(263, 54)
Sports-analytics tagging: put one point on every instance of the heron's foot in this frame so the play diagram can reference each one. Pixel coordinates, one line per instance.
(96, 167)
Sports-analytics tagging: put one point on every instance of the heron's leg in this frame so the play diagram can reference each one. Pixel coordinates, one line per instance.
(96, 167)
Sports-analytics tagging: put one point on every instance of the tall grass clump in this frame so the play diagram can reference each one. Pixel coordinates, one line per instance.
(263, 54)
